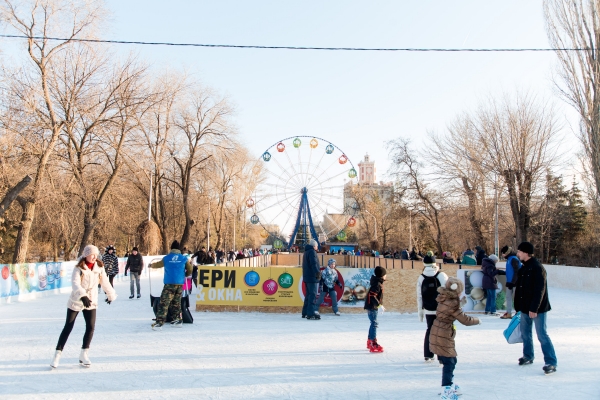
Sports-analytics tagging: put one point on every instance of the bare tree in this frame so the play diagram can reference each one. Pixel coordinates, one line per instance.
(37, 20)
(575, 24)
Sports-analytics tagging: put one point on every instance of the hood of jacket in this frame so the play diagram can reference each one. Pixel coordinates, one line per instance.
(487, 263)
(431, 269)
(308, 247)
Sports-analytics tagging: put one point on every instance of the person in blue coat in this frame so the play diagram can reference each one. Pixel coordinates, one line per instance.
(311, 274)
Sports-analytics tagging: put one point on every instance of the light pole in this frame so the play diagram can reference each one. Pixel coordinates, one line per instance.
(150, 196)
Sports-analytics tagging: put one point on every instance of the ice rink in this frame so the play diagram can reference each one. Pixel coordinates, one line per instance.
(282, 356)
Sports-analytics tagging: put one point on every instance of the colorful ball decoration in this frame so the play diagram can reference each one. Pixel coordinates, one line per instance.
(343, 159)
(266, 156)
(351, 222)
(341, 235)
(270, 287)
(250, 202)
(329, 149)
(264, 234)
(286, 280)
(254, 219)
(352, 173)
(314, 143)
(297, 142)
(280, 147)
(252, 278)
(278, 243)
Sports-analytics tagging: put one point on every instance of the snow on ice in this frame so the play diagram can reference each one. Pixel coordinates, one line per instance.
(282, 356)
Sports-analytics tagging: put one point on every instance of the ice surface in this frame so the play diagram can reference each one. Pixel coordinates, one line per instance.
(282, 356)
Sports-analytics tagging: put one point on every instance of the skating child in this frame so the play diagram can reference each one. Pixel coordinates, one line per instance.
(441, 339)
(373, 302)
(87, 274)
(329, 278)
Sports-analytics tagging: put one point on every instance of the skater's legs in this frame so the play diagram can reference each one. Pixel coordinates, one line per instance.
(426, 352)
(373, 327)
(134, 279)
(69, 323)
(90, 324)
(542, 335)
(509, 301)
(311, 299)
(526, 334)
(333, 295)
(175, 306)
(490, 301)
(165, 300)
(137, 281)
(448, 370)
(110, 279)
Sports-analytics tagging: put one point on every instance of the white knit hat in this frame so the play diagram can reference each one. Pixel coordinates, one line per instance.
(90, 249)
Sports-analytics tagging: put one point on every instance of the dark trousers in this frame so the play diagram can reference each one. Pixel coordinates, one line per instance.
(110, 279)
(448, 370)
(426, 352)
(90, 323)
(310, 300)
(170, 301)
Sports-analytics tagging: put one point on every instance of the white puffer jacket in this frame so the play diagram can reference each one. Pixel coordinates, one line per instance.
(85, 283)
(430, 270)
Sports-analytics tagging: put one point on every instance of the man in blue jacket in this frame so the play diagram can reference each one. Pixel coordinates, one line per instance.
(177, 266)
(311, 274)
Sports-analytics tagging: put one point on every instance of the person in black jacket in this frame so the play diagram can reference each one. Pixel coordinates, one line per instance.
(135, 264)
(111, 263)
(311, 275)
(531, 299)
(479, 254)
(373, 302)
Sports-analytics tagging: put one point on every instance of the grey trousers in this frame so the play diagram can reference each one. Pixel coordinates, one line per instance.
(135, 277)
(510, 293)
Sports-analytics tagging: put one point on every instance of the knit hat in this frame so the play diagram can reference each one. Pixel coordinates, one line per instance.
(135, 249)
(89, 250)
(380, 272)
(331, 261)
(526, 247)
(313, 243)
(175, 245)
(110, 247)
(494, 258)
(455, 285)
(429, 259)
(505, 250)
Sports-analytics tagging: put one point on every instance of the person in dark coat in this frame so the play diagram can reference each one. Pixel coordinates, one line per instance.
(531, 299)
(111, 263)
(135, 264)
(373, 302)
(490, 282)
(447, 259)
(479, 254)
(311, 274)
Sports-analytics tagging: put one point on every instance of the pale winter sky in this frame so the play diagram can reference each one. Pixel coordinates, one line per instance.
(357, 100)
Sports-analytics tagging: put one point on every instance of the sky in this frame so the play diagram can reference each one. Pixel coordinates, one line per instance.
(356, 100)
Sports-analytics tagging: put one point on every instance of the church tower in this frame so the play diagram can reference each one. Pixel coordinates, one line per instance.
(366, 174)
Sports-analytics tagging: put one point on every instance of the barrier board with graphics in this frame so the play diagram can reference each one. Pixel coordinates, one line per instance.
(274, 286)
(474, 293)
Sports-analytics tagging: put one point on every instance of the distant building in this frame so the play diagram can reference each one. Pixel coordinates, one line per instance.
(367, 183)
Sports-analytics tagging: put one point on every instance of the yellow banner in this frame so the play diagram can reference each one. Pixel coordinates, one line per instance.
(268, 286)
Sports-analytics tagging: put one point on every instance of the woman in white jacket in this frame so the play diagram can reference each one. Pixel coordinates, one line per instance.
(87, 274)
(427, 285)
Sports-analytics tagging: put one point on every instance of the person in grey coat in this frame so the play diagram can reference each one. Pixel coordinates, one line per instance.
(311, 274)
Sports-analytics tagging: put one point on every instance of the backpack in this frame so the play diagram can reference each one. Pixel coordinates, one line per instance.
(429, 291)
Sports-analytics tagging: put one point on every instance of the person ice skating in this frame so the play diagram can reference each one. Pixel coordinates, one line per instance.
(512, 268)
(329, 279)
(88, 272)
(135, 265)
(111, 263)
(490, 282)
(441, 338)
(374, 302)
(177, 267)
(531, 298)
(427, 284)
(311, 275)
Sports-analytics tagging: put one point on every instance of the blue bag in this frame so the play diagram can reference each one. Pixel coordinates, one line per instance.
(513, 332)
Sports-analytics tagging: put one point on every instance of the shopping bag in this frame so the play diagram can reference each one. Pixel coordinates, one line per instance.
(512, 334)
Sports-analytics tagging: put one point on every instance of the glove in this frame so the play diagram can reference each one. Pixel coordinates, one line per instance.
(510, 285)
(421, 314)
(107, 301)
(340, 285)
(381, 308)
(86, 301)
(479, 321)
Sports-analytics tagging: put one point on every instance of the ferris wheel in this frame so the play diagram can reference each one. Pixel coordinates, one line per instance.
(302, 195)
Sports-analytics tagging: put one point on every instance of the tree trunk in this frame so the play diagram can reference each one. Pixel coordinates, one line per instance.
(22, 241)
(12, 194)
(475, 222)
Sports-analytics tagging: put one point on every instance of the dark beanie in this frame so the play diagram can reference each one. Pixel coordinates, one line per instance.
(428, 259)
(175, 245)
(380, 272)
(504, 250)
(526, 247)
(135, 249)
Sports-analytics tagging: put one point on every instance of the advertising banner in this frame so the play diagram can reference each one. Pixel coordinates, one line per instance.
(475, 295)
(274, 286)
(24, 279)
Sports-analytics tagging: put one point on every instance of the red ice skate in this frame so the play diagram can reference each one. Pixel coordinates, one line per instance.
(375, 347)
(369, 344)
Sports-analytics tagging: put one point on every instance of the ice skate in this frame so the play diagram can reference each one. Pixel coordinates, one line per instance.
(454, 387)
(157, 326)
(369, 344)
(506, 316)
(56, 359)
(429, 360)
(316, 316)
(130, 297)
(337, 313)
(84, 360)
(525, 361)
(176, 323)
(375, 347)
(549, 369)
(448, 393)
(139, 295)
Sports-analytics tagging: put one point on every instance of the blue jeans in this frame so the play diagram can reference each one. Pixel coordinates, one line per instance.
(134, 278)
(333, 296)
(373, 328)
(540, 329)
(490, 303)
(310, 301)
(448, 370)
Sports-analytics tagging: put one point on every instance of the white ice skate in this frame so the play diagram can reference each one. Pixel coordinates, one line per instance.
(454, 388)
(448, 393)
(84, 360)
(56, 359)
